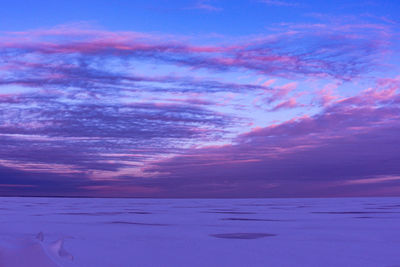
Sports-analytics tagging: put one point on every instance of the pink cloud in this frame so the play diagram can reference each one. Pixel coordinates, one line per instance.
(270, 55)
(84, 113)
(342, 151)
(291, 103)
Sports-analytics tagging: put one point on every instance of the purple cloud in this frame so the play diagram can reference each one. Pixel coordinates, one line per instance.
(105, 113)
(328, 154)
(303, 51)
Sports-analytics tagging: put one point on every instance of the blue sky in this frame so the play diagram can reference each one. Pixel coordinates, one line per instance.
(237, 17)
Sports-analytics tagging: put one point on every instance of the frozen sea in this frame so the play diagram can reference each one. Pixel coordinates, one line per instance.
(203, 232)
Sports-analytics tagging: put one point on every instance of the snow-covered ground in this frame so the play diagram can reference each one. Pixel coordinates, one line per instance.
(200, 232)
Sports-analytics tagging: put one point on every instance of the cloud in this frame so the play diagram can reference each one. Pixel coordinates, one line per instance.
(291, 103)
(280, 3)
(311, 50)
(101, 111)
(14, 182)
(345, 150)
(205, 5)
(84, 136)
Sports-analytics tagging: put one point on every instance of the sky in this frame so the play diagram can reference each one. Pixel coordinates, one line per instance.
(200, 99)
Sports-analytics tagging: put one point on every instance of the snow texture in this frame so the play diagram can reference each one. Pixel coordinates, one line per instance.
(199, 232)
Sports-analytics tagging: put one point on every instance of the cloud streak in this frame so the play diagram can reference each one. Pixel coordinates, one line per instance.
(134, 114)
(323, 155)
(290, 53)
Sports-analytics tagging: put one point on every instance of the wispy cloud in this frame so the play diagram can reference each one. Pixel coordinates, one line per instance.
(280, 3)
(99, 110)
(350, 143)
(312, 50)
(205, 5)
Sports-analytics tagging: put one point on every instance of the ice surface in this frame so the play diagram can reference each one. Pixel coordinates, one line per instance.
(200, 232)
